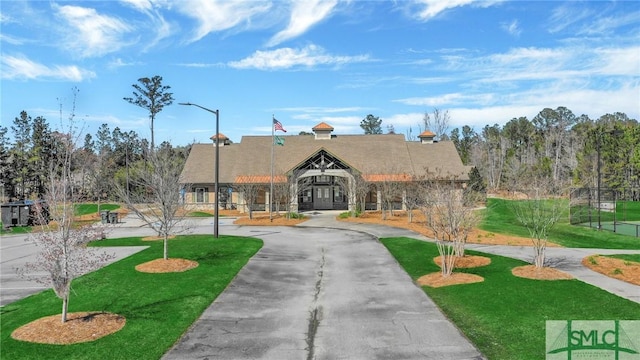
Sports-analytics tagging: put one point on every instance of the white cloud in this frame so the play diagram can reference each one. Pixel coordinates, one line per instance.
(217, 15)
(566, 15)
(432, 8)
(449, 99)
(304, 15)
(618, 61)
(118, 63)
(90, 33)
(513, 28)
(201, 65)
(592, 102)
(404, 120)
(607, 24)
(23, 68)
(160, 27)
(141, 5)
(11, 40)
(285, 58)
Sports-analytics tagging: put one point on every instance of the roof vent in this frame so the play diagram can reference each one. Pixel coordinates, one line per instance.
(323, 131)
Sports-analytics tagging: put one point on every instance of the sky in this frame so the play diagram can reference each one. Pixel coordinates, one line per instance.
(306, 62)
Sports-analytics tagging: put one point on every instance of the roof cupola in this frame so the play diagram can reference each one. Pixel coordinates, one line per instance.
(323, 131)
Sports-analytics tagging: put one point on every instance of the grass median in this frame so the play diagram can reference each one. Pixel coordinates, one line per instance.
(504, 316)
(158, 308)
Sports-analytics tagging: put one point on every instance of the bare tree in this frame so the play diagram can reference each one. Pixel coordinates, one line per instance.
(390, 186)
(539, 212)
(281, 195)
(250, 187)
(448, 218)
(155, 198)
(438, 122)
(413, 196)
(361, 188)
(63, 254)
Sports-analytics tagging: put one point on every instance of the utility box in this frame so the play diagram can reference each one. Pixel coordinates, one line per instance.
(104, 216)
(24, 213)
(113, 217)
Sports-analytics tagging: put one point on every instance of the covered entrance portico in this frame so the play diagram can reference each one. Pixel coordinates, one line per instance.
(323, 182)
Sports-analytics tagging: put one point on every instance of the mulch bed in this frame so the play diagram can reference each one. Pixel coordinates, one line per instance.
(544, 273)
(263, 220)
(624, 270)
(167, 266)
(79, 327)
(437, 280)
(467, 261)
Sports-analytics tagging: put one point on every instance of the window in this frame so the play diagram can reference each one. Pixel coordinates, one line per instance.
(326, 192)
(337, 194)
(319, 194)
(200, 195)
(323, 179)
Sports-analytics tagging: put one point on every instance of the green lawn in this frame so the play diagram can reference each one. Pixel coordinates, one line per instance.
(91, 208)
(15, 230)
(158, 308)
(499, 217)
(200, 214)
(504, 316)
(626, 257)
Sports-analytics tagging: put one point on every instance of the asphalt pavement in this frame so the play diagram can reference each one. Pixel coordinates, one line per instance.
(318, 293)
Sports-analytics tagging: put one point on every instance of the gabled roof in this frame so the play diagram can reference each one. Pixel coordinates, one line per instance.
(372, 155)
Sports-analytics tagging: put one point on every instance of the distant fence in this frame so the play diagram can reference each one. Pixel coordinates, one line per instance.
(612, 210)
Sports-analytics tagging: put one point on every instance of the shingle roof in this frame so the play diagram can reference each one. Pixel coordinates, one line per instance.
(368, 154)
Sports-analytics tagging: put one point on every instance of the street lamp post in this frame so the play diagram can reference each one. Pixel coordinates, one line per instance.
(615, 133)
(216, 215)
(599, 179)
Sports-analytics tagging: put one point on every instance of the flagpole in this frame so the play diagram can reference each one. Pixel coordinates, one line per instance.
(271, 188)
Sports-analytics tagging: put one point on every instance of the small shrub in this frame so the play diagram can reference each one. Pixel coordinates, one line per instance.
(293, 215)
(592, 260)
(627, 263)
(347, 214)
(616, 271)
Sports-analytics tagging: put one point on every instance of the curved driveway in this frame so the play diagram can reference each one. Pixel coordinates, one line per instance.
(318, 293)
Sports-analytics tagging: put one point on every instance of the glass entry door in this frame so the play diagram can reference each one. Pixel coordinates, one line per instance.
(323, 198)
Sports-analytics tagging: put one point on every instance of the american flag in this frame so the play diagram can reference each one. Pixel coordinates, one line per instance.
(278, 125)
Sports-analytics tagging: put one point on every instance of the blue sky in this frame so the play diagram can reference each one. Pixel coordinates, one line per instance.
(485, 62)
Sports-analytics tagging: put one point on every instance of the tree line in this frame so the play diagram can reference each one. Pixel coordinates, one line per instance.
(107, 155)
(103, 158)
(555, 144)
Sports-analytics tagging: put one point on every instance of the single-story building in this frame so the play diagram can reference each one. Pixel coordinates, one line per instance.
(319, 171)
